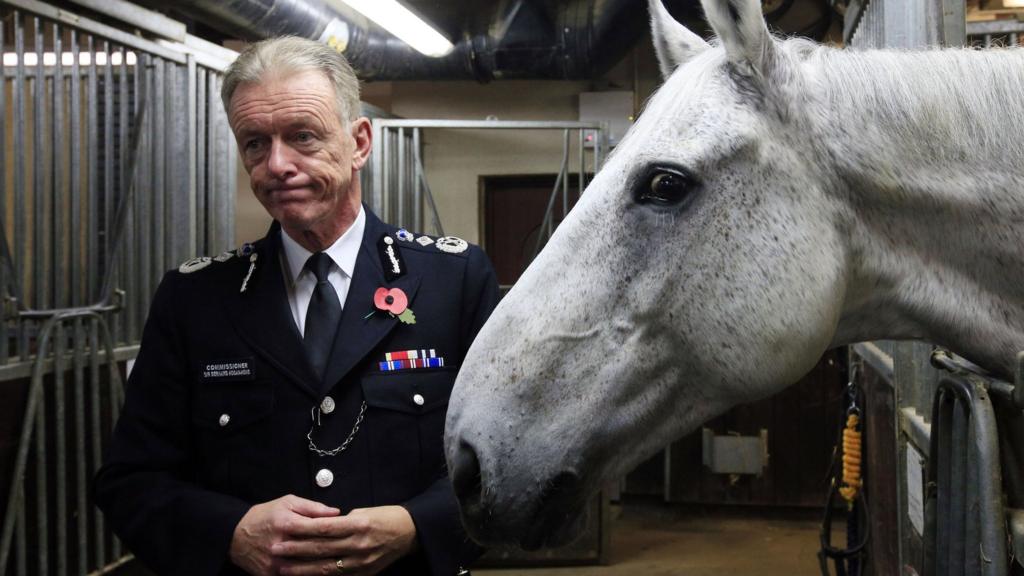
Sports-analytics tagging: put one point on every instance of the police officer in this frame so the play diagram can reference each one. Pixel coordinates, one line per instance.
(286, 410)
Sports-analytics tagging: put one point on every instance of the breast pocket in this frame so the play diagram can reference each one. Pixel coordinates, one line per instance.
(405, 416)
(233, 428)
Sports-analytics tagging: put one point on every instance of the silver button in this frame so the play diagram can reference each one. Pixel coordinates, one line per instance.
(327, 405)
(324, 478)
(224, 419)
(418, 399)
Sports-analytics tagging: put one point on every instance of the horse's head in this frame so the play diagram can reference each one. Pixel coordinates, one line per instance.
(701, 268)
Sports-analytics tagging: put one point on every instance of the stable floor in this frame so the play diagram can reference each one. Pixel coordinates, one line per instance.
(657, 540)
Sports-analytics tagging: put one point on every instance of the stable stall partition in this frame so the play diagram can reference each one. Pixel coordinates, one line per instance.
(117, 164)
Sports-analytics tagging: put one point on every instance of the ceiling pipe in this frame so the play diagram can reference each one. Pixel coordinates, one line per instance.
(516, 39)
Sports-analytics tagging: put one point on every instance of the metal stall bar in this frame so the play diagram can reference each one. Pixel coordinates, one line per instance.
(5, 256)
(988, 31)
(99, 533)
(92, 265)
(119, 267)
(58, 266)
(418, 182)
(33, 440)
(220, 141)
(396, 183)
(565, 183)
(18, 98)
(384, 176)
(131, 180)
(104, 200)
(547, 223)
(582, 182)
(81, 472)
(143, 201)
(214, 169)
(377, 167)
(204, 244)
(60, 437)
(400, 167)
(182, 192)
(37, 87)
(75, 200)
(158, 158)
(964, 508)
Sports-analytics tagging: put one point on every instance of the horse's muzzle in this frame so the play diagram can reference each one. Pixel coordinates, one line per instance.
(552, 517)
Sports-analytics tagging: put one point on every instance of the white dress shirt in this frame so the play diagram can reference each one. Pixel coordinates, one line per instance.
(300, 281)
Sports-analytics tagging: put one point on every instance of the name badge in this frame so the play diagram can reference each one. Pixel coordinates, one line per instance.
(228, 371)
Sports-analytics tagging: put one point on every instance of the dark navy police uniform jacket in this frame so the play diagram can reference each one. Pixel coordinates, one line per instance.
(221, 399)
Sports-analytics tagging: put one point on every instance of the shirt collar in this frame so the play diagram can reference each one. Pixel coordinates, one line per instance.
(343, 252)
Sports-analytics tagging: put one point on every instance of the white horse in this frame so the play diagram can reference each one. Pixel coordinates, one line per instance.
(776, 199)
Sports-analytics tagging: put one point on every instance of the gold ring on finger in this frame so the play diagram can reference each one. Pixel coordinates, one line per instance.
(340, 565)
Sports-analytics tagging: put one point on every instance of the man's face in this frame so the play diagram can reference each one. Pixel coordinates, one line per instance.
(299, 157)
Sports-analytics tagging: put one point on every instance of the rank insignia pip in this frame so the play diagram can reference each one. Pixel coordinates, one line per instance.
(390, 258)
(404, 235)
(424, 241)
(452, 244)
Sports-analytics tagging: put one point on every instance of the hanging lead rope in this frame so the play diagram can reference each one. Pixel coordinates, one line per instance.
(851, 460)
(848, 561)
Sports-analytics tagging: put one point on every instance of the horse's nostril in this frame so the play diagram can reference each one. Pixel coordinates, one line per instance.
(466, 475)
(562, 487)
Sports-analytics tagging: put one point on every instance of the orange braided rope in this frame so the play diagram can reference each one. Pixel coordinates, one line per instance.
(851, 460)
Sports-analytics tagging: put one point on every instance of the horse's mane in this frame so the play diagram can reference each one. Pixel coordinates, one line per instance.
(938, 100)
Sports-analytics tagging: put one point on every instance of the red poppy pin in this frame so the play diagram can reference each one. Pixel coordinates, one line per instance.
(394, 302)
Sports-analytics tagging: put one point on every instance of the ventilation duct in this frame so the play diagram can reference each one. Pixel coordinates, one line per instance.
(517, 39)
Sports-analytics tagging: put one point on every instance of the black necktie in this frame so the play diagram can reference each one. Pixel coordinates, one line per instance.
(322, 316)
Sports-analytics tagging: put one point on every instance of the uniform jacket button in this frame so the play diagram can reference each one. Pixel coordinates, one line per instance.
(324, 478)
(224, 420)
(327, 405)
(418, 399)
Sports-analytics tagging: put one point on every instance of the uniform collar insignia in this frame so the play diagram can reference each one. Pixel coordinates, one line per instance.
(390, 258)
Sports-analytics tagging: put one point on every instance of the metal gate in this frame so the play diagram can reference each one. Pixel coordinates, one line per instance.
(400, 191)
(117, 164)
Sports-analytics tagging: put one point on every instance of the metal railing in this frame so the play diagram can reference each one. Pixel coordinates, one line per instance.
(401, 193)
(995, 33)
(47, 502)
(975, 432)
(911, 24)
(86, 210)
(116, 164)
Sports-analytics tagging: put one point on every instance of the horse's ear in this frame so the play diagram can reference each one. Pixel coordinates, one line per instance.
(740, 25)
(673, 42)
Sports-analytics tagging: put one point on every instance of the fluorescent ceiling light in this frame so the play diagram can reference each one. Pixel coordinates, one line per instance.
(68, 58)
(400, 21)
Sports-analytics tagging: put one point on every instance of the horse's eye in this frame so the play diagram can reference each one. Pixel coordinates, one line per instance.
(665, 189)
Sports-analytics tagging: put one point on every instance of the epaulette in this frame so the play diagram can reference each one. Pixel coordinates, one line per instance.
(197, 264)
(447, 244)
